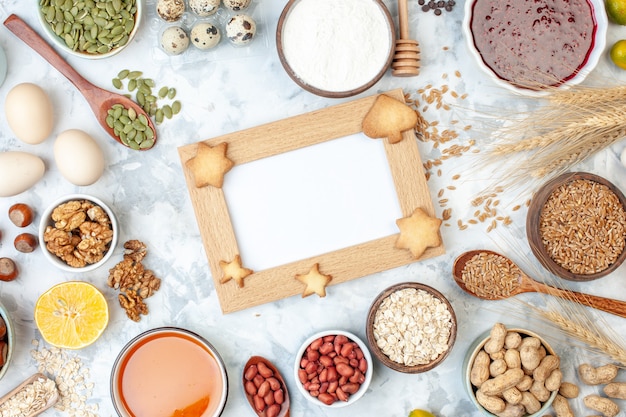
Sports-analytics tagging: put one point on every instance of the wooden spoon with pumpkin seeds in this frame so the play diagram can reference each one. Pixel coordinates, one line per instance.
(100, 100)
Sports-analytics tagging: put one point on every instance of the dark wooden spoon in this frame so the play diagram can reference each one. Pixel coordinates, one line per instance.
(100, 100)
(527, 284)
(284, 409)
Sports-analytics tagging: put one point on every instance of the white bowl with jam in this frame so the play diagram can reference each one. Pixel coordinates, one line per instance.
(533, 48)
(169, 371)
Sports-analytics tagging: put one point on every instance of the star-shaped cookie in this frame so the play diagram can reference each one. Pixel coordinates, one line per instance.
(210, 165)
(418, 232)
(315, 282)
(234, 270)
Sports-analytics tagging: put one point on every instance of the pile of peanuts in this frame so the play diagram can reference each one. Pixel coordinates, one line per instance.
(332, 368)
(265, 389)
(513, 374)
(602, 375)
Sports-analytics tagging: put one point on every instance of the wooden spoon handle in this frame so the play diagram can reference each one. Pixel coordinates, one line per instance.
(609, 305)
(22, 30)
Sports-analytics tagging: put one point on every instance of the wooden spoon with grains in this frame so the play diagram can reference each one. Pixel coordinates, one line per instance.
(488, 275)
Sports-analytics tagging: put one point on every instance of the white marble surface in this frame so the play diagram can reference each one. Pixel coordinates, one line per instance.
(149, 194)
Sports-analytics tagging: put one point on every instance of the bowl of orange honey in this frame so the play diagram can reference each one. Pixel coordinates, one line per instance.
(169, 372)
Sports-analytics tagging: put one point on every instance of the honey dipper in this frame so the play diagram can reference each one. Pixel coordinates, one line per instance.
(406, 60)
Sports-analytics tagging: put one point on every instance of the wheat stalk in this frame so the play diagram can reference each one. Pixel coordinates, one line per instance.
(590, 335)
(594, 95)
(580, 128)
(572, 126)
(575, 156)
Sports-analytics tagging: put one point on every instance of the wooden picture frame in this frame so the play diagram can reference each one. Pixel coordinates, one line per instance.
(345, 264)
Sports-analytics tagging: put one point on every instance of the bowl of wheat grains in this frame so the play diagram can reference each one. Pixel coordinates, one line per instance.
(576, 226)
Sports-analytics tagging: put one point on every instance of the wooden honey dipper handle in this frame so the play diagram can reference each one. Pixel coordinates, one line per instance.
(403, 19)
(406, 60)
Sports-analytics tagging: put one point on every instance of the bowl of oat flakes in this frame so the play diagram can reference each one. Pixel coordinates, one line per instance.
(411, 327)
(576, 226)
(78, 233)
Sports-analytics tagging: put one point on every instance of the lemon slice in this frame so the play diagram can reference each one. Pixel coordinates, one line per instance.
(420, 413)
(71, 315)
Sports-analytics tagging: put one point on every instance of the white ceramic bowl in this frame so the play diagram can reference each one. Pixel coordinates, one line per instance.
(61, 44)
(165, 368)
(368, 374)
(9, 339)
(46, 220)
(597, 49)
(473, 350)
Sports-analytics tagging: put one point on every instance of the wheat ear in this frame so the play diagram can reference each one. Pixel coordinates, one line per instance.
(585, 96)
(579, 155)
(597, 341)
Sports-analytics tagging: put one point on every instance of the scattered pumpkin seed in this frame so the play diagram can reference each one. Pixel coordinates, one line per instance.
(176, 107)
(117, 83)
(167, 111)
(171, 93)
(159, 116)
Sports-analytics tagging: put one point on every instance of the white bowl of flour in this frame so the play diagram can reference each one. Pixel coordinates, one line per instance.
(335, 48)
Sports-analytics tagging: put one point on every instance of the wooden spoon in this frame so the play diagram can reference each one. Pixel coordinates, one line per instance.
(99, 100)
(527, 284)
(284, 410)
(406, 60)
(51, 401)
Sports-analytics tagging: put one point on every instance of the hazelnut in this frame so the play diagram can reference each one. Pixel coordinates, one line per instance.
(26, 242)
(21, 214)
(8, 270)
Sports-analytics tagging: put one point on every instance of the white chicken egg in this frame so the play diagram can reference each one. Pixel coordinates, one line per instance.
(18, 172)
(78, 157)
(29, 113)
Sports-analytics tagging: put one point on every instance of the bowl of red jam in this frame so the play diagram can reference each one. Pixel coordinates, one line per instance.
(536, 46)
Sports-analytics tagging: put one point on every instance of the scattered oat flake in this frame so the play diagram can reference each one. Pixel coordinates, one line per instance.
(71, 377)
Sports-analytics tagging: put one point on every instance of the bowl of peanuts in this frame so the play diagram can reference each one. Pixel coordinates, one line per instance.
(333, 368)
(511, 371)
(576, 226)
(411, 327)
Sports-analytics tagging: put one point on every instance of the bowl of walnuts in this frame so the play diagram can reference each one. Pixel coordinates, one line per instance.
(78, 233)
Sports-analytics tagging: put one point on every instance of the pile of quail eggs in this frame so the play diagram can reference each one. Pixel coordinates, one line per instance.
(239, 28)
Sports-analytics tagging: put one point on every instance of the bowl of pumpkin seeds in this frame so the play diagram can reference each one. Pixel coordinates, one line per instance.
(92, 29)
